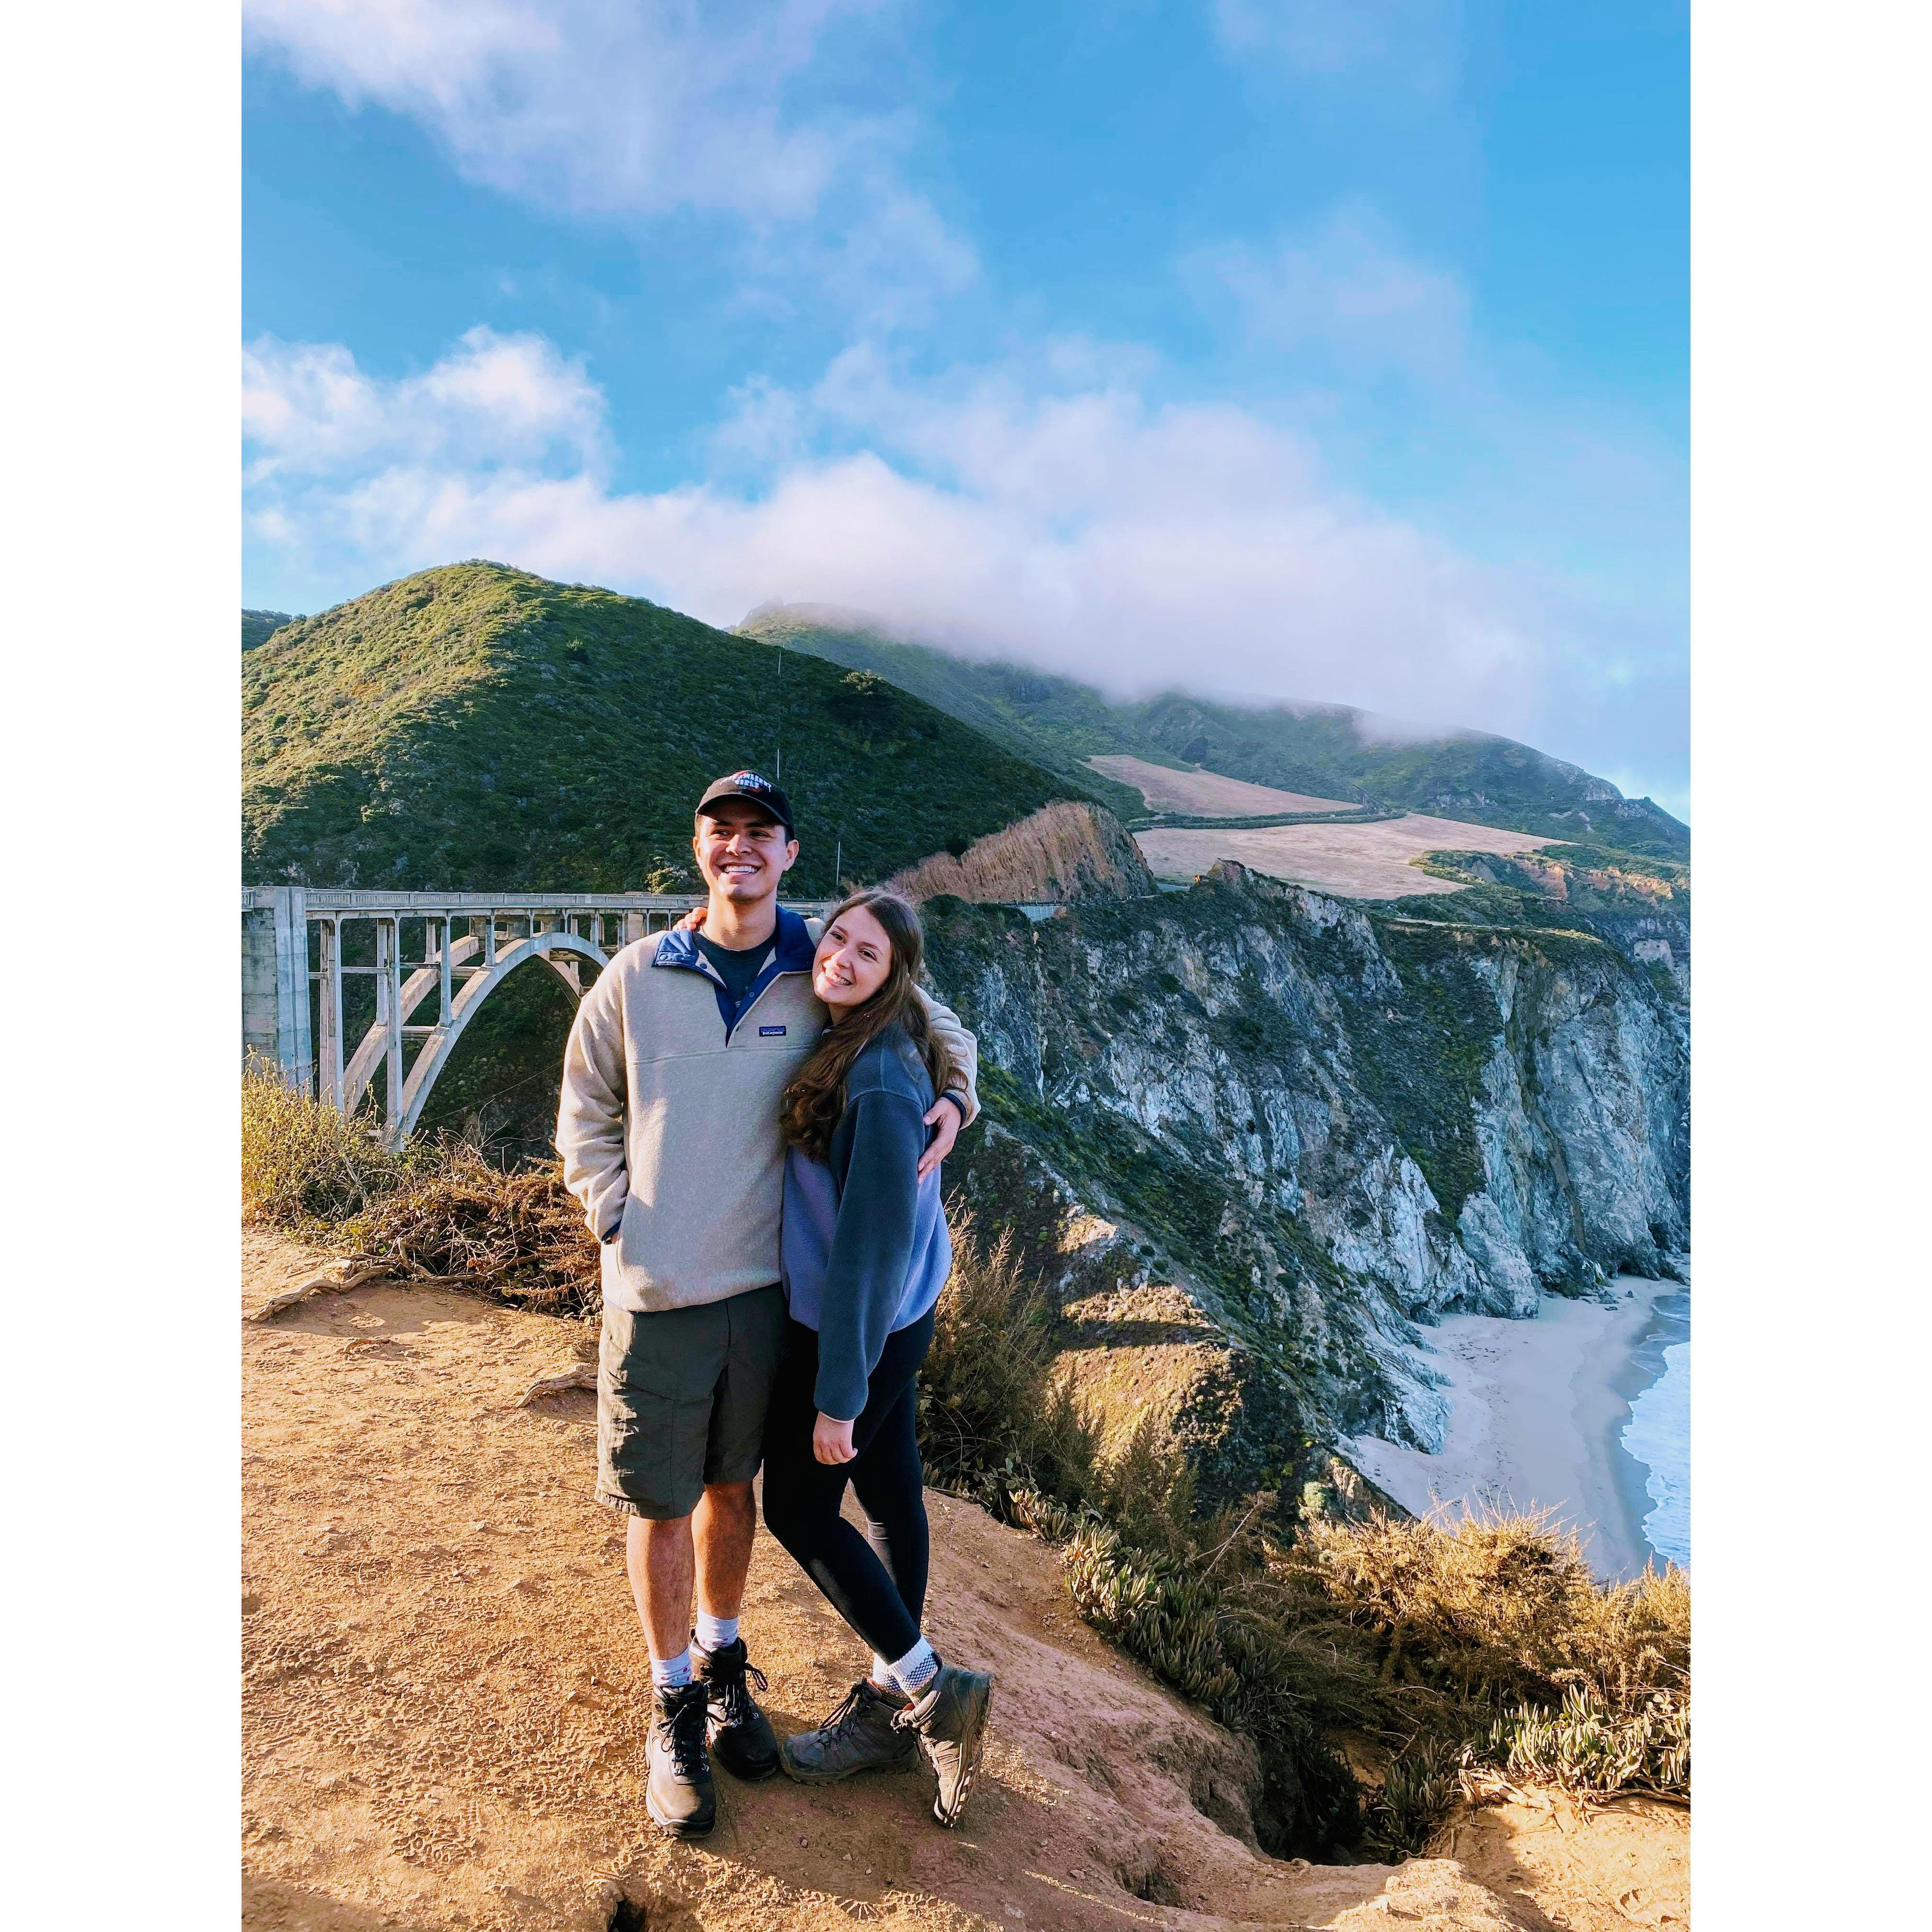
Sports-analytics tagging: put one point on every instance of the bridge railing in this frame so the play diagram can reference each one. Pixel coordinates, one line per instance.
(294, 968)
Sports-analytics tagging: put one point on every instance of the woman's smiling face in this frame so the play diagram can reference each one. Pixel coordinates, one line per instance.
(854, 957)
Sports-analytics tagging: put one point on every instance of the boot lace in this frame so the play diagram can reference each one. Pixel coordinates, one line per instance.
(685, 1721)
(846, 1715)
(733, 1696)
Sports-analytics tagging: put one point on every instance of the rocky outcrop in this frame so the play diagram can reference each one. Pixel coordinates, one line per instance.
(1066, 850)
(1325, 1127)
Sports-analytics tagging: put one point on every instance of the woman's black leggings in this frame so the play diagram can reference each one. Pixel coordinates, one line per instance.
(876, 1581)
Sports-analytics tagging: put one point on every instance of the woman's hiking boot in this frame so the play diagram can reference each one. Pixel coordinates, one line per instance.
(741, 1734)
(949, 1718)
(860, 1735)
(678, 1791)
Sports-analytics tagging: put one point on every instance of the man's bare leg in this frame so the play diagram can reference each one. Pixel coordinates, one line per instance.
(726, 1522)
(658, 1557)
(711, 1547)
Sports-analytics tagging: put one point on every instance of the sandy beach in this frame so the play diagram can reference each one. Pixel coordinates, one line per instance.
(1537, 1408)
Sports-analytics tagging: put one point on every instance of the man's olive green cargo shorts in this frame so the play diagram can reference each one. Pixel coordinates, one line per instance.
(681, 1399)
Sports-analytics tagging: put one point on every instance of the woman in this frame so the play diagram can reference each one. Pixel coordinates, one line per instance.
(865, 1253)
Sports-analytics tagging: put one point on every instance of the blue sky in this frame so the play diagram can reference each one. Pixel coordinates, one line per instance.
(1325, 349)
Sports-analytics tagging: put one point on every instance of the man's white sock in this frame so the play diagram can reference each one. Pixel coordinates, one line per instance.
(671, 1673)
(715, 1632)
(915, 1670)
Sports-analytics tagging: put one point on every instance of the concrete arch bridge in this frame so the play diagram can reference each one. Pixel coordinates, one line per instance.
(435, 958)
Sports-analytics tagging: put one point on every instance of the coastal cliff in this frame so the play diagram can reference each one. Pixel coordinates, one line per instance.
(1068, 850)
(1324, 1127)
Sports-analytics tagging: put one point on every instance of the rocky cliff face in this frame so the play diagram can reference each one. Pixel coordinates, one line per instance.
(1326, 1127)
(1066, 850)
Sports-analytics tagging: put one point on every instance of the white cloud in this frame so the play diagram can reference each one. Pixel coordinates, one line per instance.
(308, 412)
(779, 114)
(1414, 43)
(1345, 286)
(1070, 523)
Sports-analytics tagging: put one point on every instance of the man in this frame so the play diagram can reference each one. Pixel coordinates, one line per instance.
(668, 1127)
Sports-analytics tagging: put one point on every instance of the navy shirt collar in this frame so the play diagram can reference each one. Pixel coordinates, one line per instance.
(792, 952)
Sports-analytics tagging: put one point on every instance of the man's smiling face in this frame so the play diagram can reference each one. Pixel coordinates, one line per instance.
(743, 853)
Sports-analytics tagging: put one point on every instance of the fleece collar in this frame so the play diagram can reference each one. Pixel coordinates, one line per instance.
(792, 952)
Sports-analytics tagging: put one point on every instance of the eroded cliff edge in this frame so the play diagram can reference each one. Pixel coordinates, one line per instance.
(1326, 1126)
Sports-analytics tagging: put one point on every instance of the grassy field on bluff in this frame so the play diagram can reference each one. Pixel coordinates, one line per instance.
(475, 726)
(1383, 1669)
(1315, 748)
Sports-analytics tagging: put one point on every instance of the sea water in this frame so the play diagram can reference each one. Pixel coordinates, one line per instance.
(1658, 1433)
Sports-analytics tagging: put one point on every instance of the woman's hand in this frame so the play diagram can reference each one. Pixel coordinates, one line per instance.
(831, 1440)
(945, 1116)
(693, 921)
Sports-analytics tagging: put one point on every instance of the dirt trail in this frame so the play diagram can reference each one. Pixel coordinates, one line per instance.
(445, 1690)
(1207, 794)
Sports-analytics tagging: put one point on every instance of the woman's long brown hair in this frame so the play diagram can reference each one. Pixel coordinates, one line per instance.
(816, 1097)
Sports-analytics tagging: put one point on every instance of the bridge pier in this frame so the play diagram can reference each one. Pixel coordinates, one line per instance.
(275, 980)
(328, 932)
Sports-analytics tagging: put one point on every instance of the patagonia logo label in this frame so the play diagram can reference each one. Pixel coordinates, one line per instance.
(770, 1033)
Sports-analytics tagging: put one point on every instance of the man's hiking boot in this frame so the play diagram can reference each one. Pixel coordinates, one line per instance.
(949, 1718)
(678, 1792)
(741, 1734)
(860, 1735)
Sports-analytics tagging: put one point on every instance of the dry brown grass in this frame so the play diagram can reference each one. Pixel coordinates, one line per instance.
(1495, 1607)
(304, 1168)
(994, 1415)
(438, 1210)
(518, 1236)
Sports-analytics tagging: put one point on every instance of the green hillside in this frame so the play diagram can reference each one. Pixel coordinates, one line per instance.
(475, 726)
(259, 626)
(1312, 748)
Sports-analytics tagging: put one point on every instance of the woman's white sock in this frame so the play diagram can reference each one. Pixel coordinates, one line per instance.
(882, 1671)
(671, 1673)
(715, 1632)
(913, 1671)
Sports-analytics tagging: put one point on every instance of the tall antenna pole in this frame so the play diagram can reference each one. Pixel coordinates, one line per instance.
(839, 862)
(778, 774)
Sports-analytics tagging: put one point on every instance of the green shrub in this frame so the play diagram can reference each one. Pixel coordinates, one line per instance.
(1585, 1746)
(1420, 1785)
(1156, 1610)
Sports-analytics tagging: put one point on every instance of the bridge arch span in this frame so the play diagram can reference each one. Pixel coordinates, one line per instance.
(295, 963)
(557, 950)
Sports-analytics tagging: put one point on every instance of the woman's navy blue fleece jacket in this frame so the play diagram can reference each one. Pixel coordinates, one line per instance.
(866, 1247)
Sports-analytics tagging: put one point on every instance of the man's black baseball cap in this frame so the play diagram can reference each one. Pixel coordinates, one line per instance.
(754, 790)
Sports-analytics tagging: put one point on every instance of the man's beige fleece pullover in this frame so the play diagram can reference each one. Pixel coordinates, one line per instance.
(668, 1124)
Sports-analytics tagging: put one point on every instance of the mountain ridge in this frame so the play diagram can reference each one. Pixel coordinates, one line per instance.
(473, 726)
(1302, 745)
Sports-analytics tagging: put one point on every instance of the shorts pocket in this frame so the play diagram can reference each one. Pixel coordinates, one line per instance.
(675, 1355)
